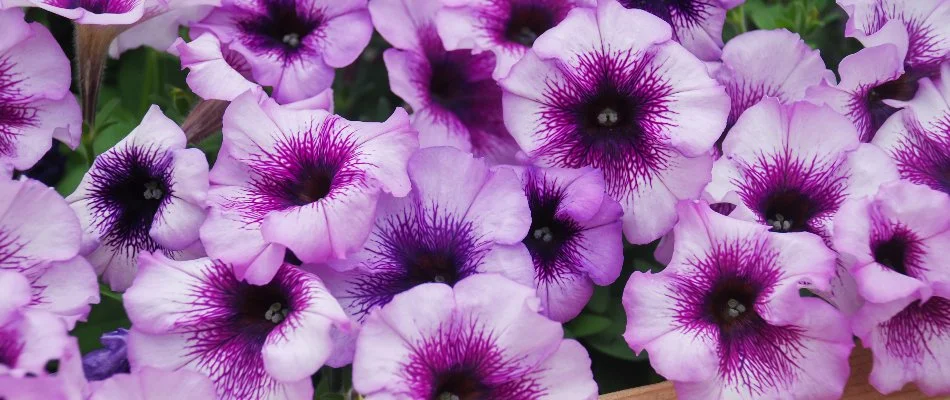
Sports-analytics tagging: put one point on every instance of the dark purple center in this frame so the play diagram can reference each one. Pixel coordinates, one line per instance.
(892, 254)
(551, 238)
(459, 384)
(528, 21)
(731, 304)
(96, 6)
(670, 10)
(437, 264)
(10, 349)
(312, 184)
(903, 88)
(788, 210)
(284, 25)
(456, 89)
(258, 309)
(897, 248)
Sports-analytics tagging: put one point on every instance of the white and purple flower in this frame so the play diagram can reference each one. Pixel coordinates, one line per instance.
(145, 194)
(697, 24)
(482, 339)
(155, 384)
(254, 341)
(609, 89)
(725, 319)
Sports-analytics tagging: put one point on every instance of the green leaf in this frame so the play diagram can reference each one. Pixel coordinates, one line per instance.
(106, 316)
(587, 325)
(109, 134)
(599, 300)
(76, 167)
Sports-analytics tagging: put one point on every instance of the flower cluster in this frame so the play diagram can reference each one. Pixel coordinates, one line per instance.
(441, 252)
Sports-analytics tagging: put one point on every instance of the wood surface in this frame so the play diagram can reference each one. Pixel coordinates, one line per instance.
(857, 388)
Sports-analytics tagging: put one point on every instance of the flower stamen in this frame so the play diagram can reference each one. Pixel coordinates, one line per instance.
(292, 40)
(608, 117)
(276, 313)
(780, 224)
(153, 191)
(543, 234)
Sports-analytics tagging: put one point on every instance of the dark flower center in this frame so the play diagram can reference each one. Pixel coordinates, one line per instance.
(667, 10)
(313, 183)
(731, 303)
(549, 237)
(285, 24)
(10, 350)
(903, 88)
(260, 308)
(892, 254)
(95, 6)
(527, 22)
(610, 116)
(435, 265)
(460, 385)
(788, 211)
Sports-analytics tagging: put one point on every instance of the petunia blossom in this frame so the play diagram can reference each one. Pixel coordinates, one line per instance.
(482, 339)
(292, 45)
(791, 166)
(303, 180)
(159, 26)
(725, 319)
(507, 28)
(697, 24)
(461, 218)
(40, 238)
(918, 137)
(454, 99)
(88, 12)
(608, 88)
(35, 102)
(575, 239)
(894, 245)
(109, 360)
(254, 341)
(155, 384)
(145, 194)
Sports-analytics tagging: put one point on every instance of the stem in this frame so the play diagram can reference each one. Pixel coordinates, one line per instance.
(92, 50)
(204, 119)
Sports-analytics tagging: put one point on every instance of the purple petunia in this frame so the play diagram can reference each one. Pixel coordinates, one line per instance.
(155, 384)
(35, 102)
(254, 341)
(609, 89)
(697, 24)
(292, 45)
(894, 245)
(109, 360)
(145, 194)
(575, 239)
(725, 320)
(159, 26)
(454, 99)
(88, 12)
(482, 339)
(300, 180)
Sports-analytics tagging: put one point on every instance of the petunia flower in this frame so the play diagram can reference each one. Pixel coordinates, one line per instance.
(507, 28)
(725, 319)
(159, 26)
(763, 63)
(575, 239)
(254, 341)
(155, 384)
(791, 166)
(302, 180)
(35, 102)
(111, 359)
(146, 194)
(88, 12)
(292, 45)
(697, 24)
(872, 88)
(454, 99)
(894, 245)
(609, 89)
(482, 339)
(918, 137)
(461, 218)
(40, 238)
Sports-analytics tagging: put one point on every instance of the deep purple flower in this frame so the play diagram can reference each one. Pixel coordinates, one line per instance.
(109, 360)
(918, 137)
(791, 166)
(147, 194)
(292, 45)
(697, 24)
(507, 28)
(609, 89)
(895, 244)
(40, 238)
(461, 218)
(35, 102)
(482, 339)
(575, 239)
(303, 180)
(725, 320)
(454, 99)
(255, 342)
(155, 384)
(763, 63)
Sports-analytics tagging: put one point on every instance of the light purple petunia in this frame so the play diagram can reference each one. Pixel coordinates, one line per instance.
(507, 28)
(302, 180)
(145, 194)
(791, 166)
(454, 99)
(461, 218)
(609, 89)
(575, 239)
(725, 319)
(35, 102)
(697, 24)
(40, 238)
(159, 26)
(761, 64)
(482, 339)
(292, 45)
(155, 384)
(254, 341)
(895, 244)
(918, 137)
(88, 12)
